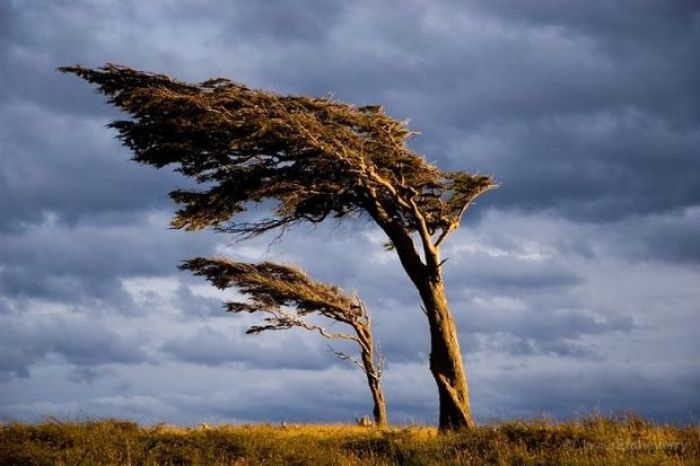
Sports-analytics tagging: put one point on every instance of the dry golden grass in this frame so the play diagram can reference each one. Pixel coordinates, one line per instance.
(593, 440)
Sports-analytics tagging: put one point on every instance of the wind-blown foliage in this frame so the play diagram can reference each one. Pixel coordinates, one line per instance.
(289, 297)
(314, 158)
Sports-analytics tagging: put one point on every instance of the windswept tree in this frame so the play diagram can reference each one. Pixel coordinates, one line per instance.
(315, 158)
(289, 298)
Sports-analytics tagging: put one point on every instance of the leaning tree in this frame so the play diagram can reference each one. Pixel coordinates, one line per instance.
(290, 298)
(315, 158)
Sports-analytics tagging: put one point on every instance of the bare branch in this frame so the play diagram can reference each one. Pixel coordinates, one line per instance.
(283, 320)
(343, 356)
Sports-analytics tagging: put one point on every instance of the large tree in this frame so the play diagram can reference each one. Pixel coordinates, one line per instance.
(290, 298)
(315, 158)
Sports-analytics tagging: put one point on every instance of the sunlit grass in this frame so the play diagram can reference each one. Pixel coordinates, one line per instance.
(593, 440)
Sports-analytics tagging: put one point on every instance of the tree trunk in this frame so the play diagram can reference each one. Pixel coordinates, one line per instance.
(446, 359)
(445, 355)
(373, 373)
(380, 419)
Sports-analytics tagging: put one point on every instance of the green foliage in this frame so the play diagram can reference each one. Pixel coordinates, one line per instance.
(594, 440)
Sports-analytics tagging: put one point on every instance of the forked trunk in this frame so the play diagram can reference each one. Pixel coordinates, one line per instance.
(446, 360)
(445, 355)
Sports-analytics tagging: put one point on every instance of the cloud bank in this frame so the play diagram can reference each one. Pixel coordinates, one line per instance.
(574, 284)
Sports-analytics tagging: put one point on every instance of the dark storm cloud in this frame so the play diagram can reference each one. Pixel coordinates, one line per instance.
(83, 344)
(588, 114)
(616, 59)
(593, 122)
(563, 393)
(308, 22)
(74, 263)
(672, 236)
(600, 167)
(610, 21)
(591, 62)
(282, 350)
(57, 155)
(502, 273)
(193, 306)
(45, 171)
(604, 105)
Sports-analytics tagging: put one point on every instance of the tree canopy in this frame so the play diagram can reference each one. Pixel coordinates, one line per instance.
(275, 288)
(290, 298)
(315, 157)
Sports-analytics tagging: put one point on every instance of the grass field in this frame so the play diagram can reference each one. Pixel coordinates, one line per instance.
(622, 440)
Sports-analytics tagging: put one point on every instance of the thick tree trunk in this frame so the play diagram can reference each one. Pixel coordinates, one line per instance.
(445, 355)
(446, 360)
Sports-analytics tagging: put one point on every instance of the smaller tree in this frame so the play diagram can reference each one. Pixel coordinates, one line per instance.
(289, 298)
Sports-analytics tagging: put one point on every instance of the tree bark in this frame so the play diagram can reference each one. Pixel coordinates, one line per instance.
(446, 363)
(446, 360)
(379, 411)
(373, 373)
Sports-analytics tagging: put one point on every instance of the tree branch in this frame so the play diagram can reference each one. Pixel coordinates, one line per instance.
(343, 356)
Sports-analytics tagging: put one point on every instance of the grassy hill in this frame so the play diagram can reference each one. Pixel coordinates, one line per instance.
(594, 440)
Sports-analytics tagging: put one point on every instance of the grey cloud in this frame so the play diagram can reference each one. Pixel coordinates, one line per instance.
(517, 346)
(86, 261)
(79, 343)
(285, 22)
(602, 167)
(234, 396)
(561, 70)
(537, 330)
(545, 324)
(561, 391)
(675, 238)
(144, 408)
(40, 37)
(670, 236)
(568, 71)
(601, 19)
(281, 350)
(504, 273)
(86, 374)
(481, 262)
(196, 307)
(587, 114)
(565, 393)
(45, 172)
(588, 132)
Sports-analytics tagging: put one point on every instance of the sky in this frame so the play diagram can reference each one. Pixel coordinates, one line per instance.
(575, 285)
